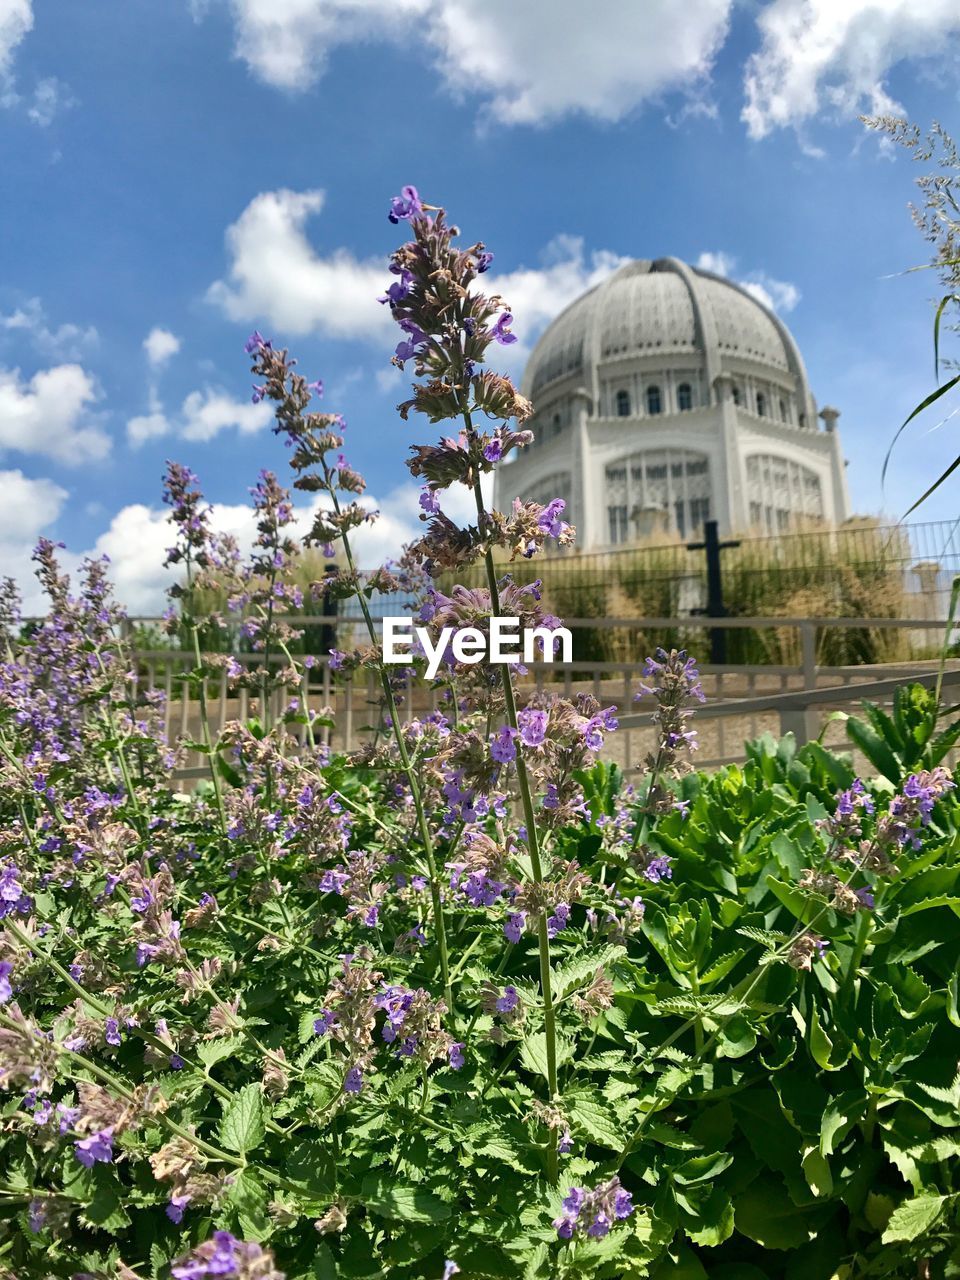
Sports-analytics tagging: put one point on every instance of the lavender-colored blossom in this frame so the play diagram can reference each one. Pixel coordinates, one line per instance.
(508, 1001)
(323, 1024)
(111, 1031)
(657, 869)
(533, 726)
(6, 988)
(501, 330)
(565, 1145)
(98, 1147)
(559, 920)
(429, 502)
(406, 205)
(515, 926)
(502, 747)
(484, 258)
(177, 1205)
(255, 342)
(353, 1081)
(549, 519)
(455, 1055)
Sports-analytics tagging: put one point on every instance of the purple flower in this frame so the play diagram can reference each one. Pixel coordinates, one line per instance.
(255, 342)
(549, 520)
(178, 1203)
(429, 501)
(658, 869)
(416, 338)
(455, 1055)
(97, 1148)
(508, 1001)
(565, 1145)
(559, 920)
(502, 748)
(6, 990)
(353, 1081)
(258, 394)
(406, 205)
(111, 1031)
(483, 261)
(515, 926)
(865, 898)
(323, 1024)
(533, 726)
(219, 1260)
(316, 388)
(493, 451)
(501, 330)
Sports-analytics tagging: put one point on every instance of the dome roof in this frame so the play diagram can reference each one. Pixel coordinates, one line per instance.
(663, 308)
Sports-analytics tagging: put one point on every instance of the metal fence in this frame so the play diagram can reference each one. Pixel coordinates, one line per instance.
(743, 701)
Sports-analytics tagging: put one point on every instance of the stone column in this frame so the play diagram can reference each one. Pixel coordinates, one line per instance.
(840, 498)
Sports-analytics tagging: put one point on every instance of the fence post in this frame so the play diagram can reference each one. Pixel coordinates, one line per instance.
(802, 722)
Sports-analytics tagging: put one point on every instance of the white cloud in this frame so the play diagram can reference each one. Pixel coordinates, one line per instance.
(835, 55)
(160, 345)
(148, 426)
(530, 62)
(50, 96)
(778, 295)
(66, 342)
(537, 63)
(16, 19)
(203, 415)
(27, 506)
(49, 415)
(138, 536)
(276, 275)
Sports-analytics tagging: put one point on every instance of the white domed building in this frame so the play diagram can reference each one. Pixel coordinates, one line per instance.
(667, 396)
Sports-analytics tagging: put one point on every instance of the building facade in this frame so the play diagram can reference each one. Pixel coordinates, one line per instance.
(667, 396)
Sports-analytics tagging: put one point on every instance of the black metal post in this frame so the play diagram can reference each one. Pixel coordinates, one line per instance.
(715, 608)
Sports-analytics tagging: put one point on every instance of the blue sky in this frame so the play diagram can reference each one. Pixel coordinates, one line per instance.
(194, 169)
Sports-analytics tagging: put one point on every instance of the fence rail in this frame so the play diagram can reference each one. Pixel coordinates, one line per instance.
(744, 701)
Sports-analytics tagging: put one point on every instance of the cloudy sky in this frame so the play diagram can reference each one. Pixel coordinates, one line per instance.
(177, 173)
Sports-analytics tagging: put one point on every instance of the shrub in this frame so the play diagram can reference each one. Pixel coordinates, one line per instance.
(463, 1002)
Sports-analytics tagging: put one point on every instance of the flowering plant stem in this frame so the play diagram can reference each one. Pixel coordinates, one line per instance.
(407, 766)
(533, 845)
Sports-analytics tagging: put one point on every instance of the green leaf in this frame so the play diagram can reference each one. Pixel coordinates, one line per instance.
(409, 1203)
(875, 749)
(765, 1213)
(598, 1121)
(242, 1126)
(913, 1218)
(816, 1170)
(210, 1052)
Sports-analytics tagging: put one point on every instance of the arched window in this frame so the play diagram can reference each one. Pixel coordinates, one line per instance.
(684, 396)
(735, 392)
(761, 404)
(623, 404)
(653, 400)
(556, 424)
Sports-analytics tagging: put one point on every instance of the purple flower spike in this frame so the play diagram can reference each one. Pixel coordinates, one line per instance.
(501, 330)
